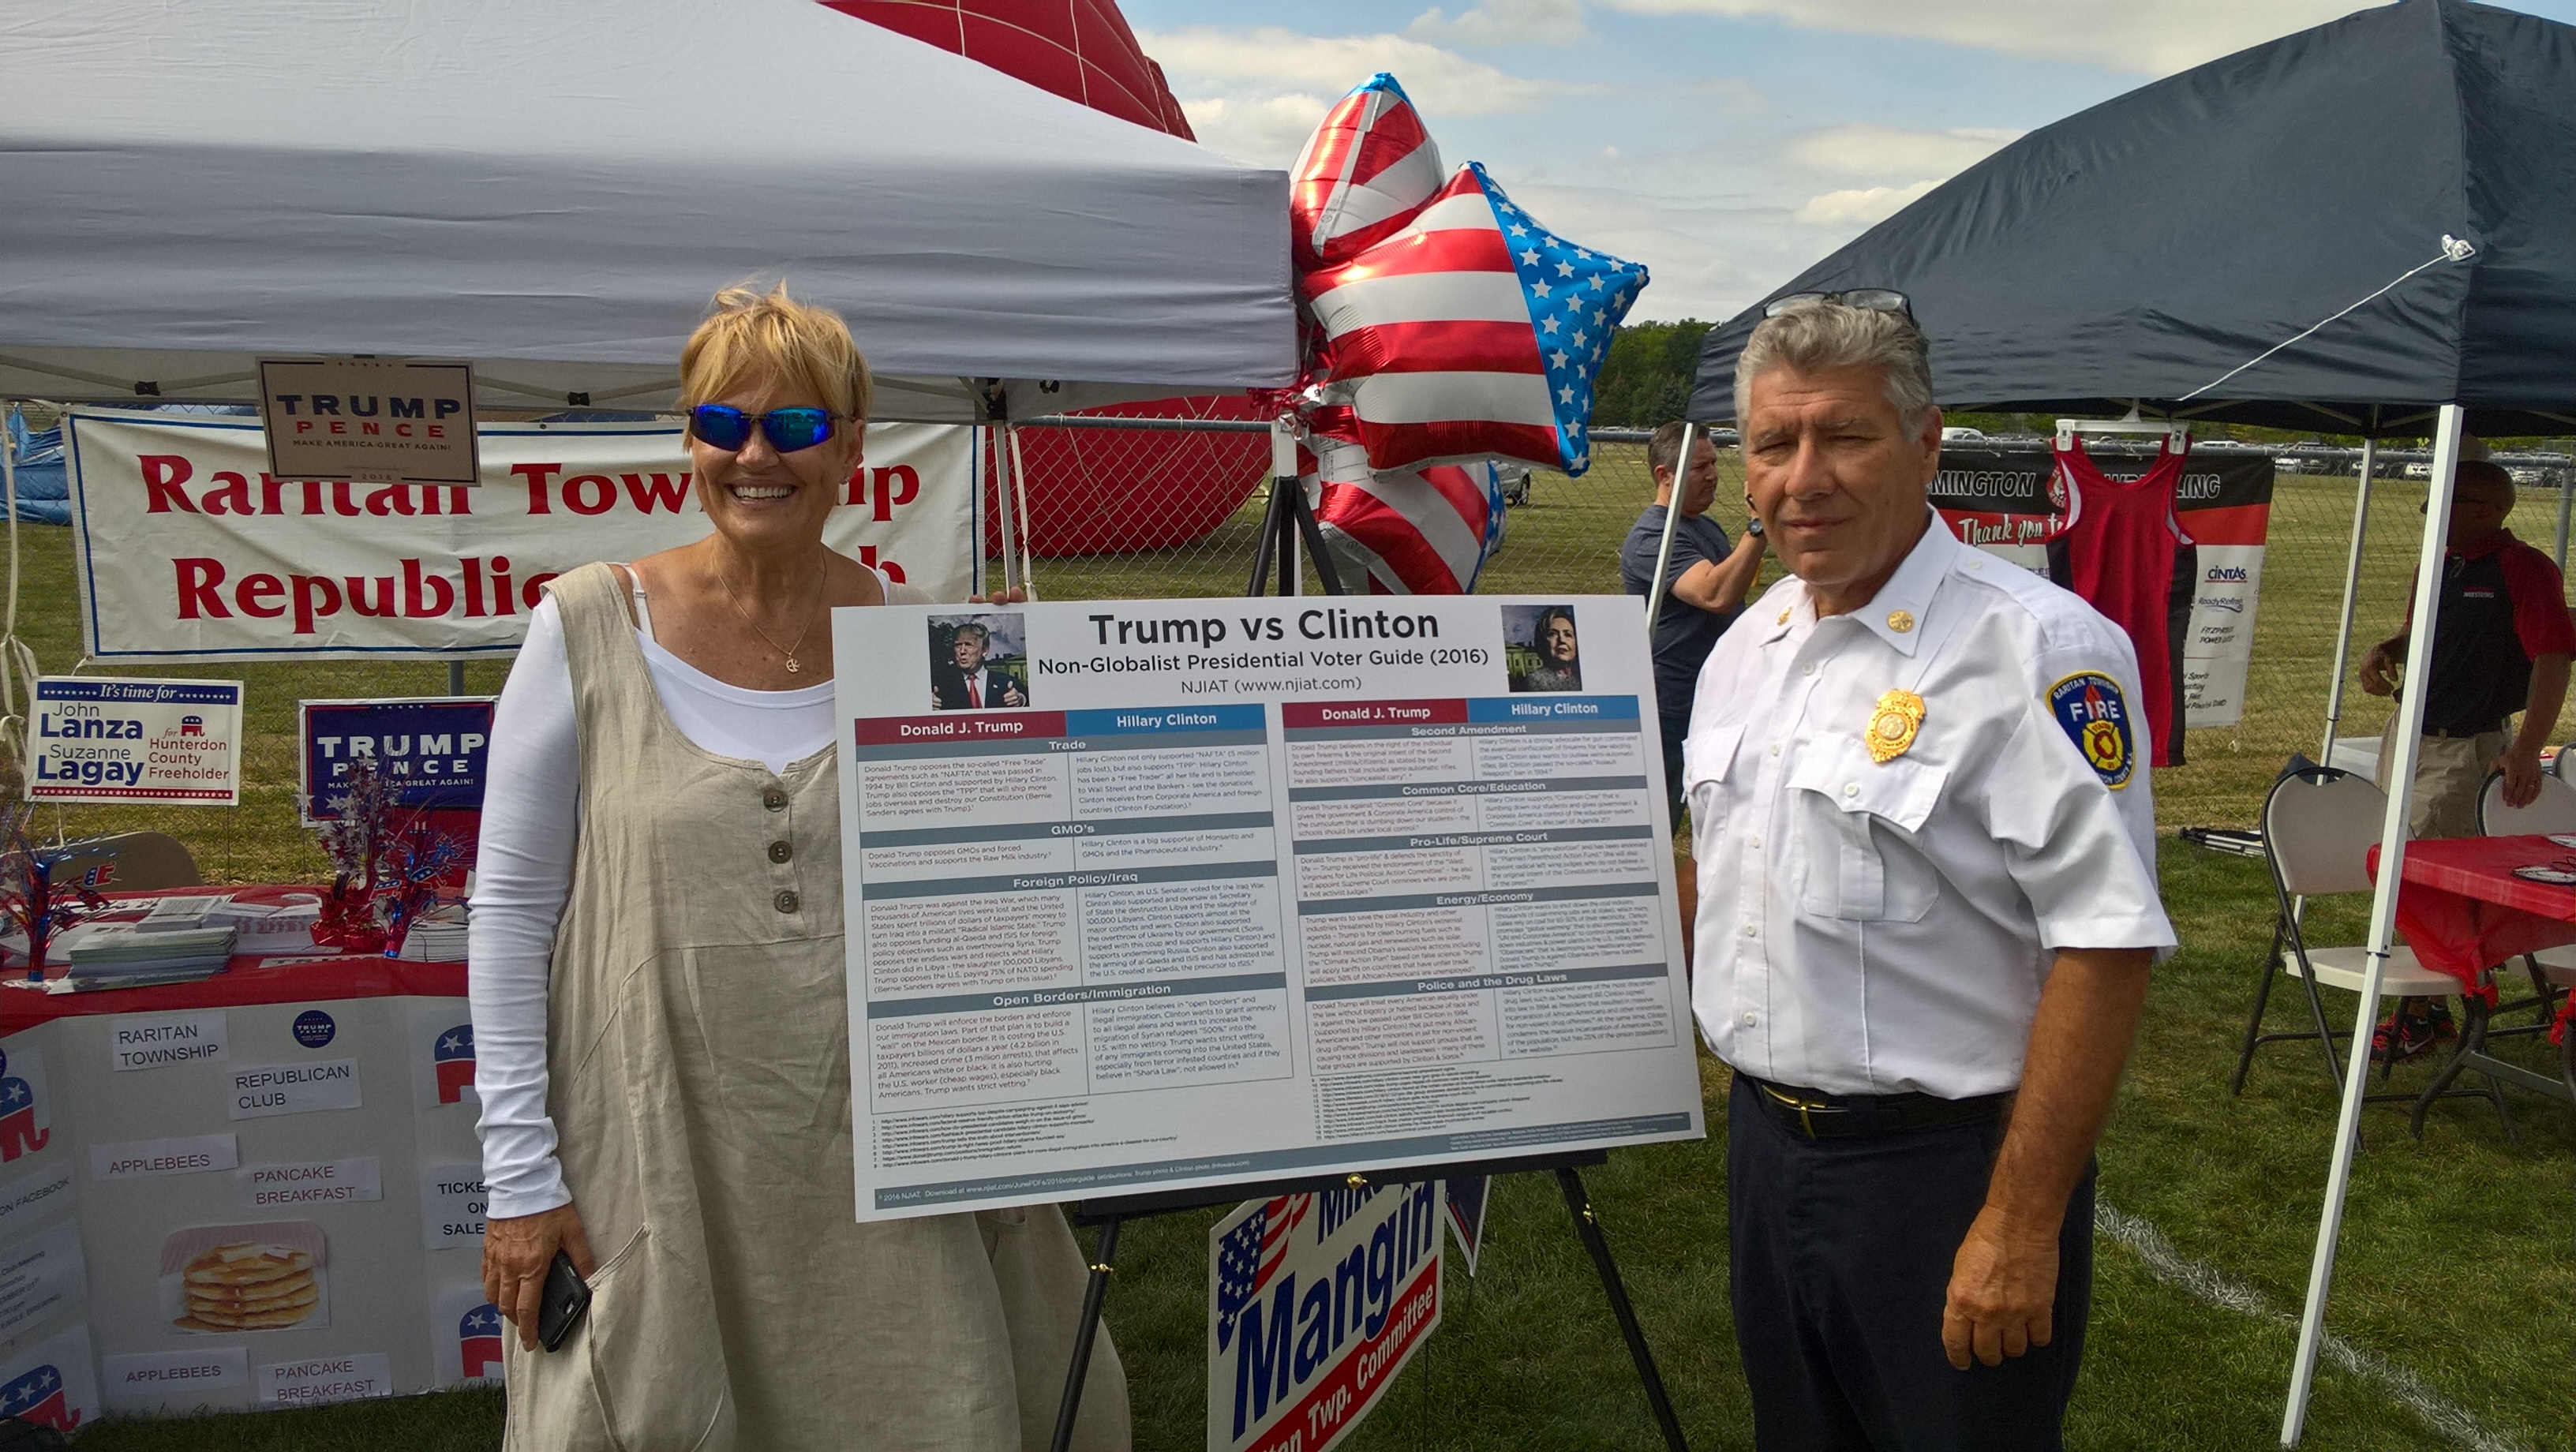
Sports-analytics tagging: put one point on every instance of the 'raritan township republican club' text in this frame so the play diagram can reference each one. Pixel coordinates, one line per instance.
(191, 548)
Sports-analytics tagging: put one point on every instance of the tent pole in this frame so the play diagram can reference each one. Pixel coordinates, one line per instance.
(2383, 910)
(17, 739)
(998, 433)
(1659, 586)
(2566, 497)
(2351, 599)
(1020, 492)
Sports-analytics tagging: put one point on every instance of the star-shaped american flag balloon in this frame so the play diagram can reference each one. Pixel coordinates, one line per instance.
(1471, 332)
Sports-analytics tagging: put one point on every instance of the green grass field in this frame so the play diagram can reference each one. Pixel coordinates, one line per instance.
(2456, 1266)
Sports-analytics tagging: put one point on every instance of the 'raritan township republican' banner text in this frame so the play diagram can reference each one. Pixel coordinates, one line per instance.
(2004, 499)
(189, 550)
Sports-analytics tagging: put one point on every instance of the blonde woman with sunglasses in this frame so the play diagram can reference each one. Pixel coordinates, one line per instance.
(659, 1010)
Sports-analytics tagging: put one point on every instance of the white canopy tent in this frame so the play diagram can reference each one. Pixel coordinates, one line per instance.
(554, 191)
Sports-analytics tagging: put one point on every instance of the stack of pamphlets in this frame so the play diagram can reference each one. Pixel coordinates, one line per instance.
(439, 937)
(281, 931)
(125, 956)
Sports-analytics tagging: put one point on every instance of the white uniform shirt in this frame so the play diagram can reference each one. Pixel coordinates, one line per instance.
(1873, 927)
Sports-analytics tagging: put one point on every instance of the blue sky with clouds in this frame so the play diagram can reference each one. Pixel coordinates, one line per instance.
(1724, 143)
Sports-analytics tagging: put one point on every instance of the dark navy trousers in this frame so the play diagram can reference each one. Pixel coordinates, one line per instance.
(1840, 1254)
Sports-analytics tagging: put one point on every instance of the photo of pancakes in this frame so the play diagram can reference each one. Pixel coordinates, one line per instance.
(226, 1279)
(249, 1287)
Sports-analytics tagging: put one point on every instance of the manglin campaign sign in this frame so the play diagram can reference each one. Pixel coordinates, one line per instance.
(1315, 1302)
(432, 749)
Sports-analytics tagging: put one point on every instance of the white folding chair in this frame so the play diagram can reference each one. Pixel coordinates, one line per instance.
(2552, 970)
(2554, 810)
(2318, 827)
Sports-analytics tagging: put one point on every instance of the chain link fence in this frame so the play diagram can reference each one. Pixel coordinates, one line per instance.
(1119, 512)
(1134, 514)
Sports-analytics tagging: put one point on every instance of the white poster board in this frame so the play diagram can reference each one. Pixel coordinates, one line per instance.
(1250, 889)
(187, 549)
(127, 1186)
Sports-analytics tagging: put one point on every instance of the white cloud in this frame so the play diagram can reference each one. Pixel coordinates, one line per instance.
(1268, 130)
(1861, 206)
(1863, 150)
(1504, 22)
(2146, 37)
(1248, 78)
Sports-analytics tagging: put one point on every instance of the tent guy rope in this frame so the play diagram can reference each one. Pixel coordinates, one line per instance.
(2453, 250)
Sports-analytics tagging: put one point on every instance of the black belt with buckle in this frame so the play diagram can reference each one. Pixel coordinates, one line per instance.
(2465, 733)
(1819, 1115)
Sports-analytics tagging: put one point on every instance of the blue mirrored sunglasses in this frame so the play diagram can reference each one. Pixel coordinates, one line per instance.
(787, 429)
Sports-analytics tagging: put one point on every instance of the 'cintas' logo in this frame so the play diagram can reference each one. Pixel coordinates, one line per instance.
(2227, 575)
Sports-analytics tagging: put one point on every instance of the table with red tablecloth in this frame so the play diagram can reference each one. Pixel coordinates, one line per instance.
(2464, 911)
(315, 1111)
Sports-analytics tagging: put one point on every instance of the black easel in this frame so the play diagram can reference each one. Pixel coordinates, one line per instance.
(1114, 1211)
(1287, 521)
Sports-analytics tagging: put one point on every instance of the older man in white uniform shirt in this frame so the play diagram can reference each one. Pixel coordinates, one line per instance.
(1927, 909)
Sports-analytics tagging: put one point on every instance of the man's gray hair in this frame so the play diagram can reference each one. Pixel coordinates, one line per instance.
(1813, 337)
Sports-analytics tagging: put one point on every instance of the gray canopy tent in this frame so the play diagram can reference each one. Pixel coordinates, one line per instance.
(553, 192)
(2360, 228)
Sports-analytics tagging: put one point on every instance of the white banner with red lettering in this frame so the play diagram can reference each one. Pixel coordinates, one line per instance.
(189, 550)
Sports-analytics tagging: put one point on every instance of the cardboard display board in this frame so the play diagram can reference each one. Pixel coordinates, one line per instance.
(188, 549)
(433, 748)
(97, 739)
(383, 420)
(1315, 1303)
(1208, 891)
(212, 1204)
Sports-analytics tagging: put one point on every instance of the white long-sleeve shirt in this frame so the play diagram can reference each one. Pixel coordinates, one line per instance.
(523, 871)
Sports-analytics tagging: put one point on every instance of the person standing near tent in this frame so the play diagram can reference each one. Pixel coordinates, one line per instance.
(658, 997)
(1927, 895)
(1707, 579)
(2501, 644)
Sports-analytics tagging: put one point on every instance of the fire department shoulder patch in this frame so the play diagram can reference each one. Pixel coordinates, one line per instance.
(2095, 715)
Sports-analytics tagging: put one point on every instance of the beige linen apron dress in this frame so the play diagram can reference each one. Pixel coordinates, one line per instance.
(698, 1053)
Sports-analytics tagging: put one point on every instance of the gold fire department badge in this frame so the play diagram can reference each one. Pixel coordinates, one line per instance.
(1892, 725)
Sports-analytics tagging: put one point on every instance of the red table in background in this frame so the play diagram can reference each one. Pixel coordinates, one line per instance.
(247, 981)
(2464, 912)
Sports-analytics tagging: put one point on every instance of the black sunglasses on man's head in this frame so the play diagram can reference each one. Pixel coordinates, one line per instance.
(1869, 299)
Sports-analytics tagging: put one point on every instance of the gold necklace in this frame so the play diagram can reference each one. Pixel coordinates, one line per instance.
(788, 651)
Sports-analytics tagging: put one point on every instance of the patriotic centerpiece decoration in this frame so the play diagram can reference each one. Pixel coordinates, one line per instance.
(40, 905)
(1443, 326)
(388, 865)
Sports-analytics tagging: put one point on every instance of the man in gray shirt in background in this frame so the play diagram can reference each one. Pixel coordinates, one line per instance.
(1705, 585)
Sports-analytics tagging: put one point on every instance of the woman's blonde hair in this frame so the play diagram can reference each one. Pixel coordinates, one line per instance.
(752, 338)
